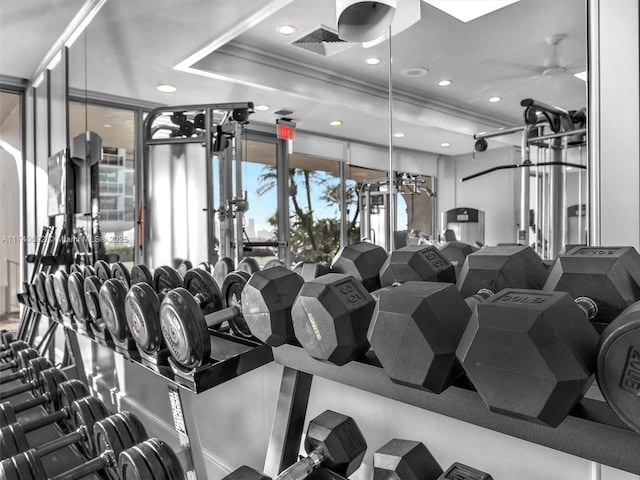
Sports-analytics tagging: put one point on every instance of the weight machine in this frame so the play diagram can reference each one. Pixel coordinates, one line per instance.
(175, 193)
(549, 132)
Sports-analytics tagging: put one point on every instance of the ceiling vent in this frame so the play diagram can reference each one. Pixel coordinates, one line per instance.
(322, 41)
(283, 112)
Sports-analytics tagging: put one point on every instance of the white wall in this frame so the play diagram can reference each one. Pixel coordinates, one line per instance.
(497, 193)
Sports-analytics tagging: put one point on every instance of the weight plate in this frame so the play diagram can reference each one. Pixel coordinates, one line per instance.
(23, 357)
(206, 266)
(41, 293)
(134, 426)
(92, 297)
(75, 287)
(142, 309)
(36, 366)
(169, 460)
(140, 273)
(184, 267)
(205, 289)
(222, 268)
(89, 270)
(87, 412)
(152, 459)
(120, 272)
(232, 288)
(112, 298)
(106, 437)
(274, 262)
(48, 381)
(249, 265)
(60, 280)
(184, 328)
(30, 465)
(103, 271)
(75, 268)
(134, 465)
(51, 293)
(69, 392)
(16, 468)
(618, 366)
(166, 278)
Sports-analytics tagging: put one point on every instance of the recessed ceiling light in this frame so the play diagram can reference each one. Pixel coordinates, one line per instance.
(335, 123)
(444, 83)
(262, 108)
(398, 134)
(495, 99)
(107, 125)
(414, 72)
(445, 144)
(466, 11)
(568, 169)
(166, 88)
(581, 75)
(287, 29)
(373, 61)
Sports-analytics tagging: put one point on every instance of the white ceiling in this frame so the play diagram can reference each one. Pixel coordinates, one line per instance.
(131, 47)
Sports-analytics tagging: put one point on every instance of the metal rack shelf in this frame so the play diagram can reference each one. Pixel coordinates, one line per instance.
(592, 431)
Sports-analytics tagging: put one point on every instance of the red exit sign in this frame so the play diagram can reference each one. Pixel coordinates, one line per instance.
(286, 129)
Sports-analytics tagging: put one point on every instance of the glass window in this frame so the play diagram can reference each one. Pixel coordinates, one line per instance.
(314, 208)
(116, 177)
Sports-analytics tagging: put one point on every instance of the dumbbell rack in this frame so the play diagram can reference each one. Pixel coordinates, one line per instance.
(231, 357)
(592, 431)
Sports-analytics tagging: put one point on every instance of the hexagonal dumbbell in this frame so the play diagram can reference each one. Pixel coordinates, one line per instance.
(363, 261)
(416, 263)
(405, 460)
(608, 276)
(501, 267)
(331, 317)
(618, 367)
(333, 441)
(415, 331)
(530, 354)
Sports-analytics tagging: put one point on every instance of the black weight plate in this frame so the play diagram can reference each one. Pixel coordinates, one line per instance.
(103, 271)
(168, 458)
(112, 298)
(184, 267)
(89, 270)
(41, 292)
(142, 308)
(134, 426)
(140, 273)
(75, 287)
(16, 468)
(108, 437)
(618, 366)
(75, 268)
(29, 466)
(51, 294)
(48, 381)
(86, 412)
(249, 265)
(184, 328)
(36, 366)
(232, 288)
(206, 266)
(222, 268)
(166, 278)
(120, 272)
(204, 288)
(69, 392)
(23, 357)
(152, 459)
(60, 280)
(92, 286)
(274, 262)
(134, 465)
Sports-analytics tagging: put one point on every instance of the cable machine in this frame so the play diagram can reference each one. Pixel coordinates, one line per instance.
(548, 135)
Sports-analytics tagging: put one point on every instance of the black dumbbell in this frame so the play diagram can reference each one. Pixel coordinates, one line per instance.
(19, 362)
(32, 379)
(152, 459)
(187, 313)
(111, 436)
(333, 441)
(30, 364)
(85, 412)
(363, 261)
(65, 394)
(13, 349)
(424, 263)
